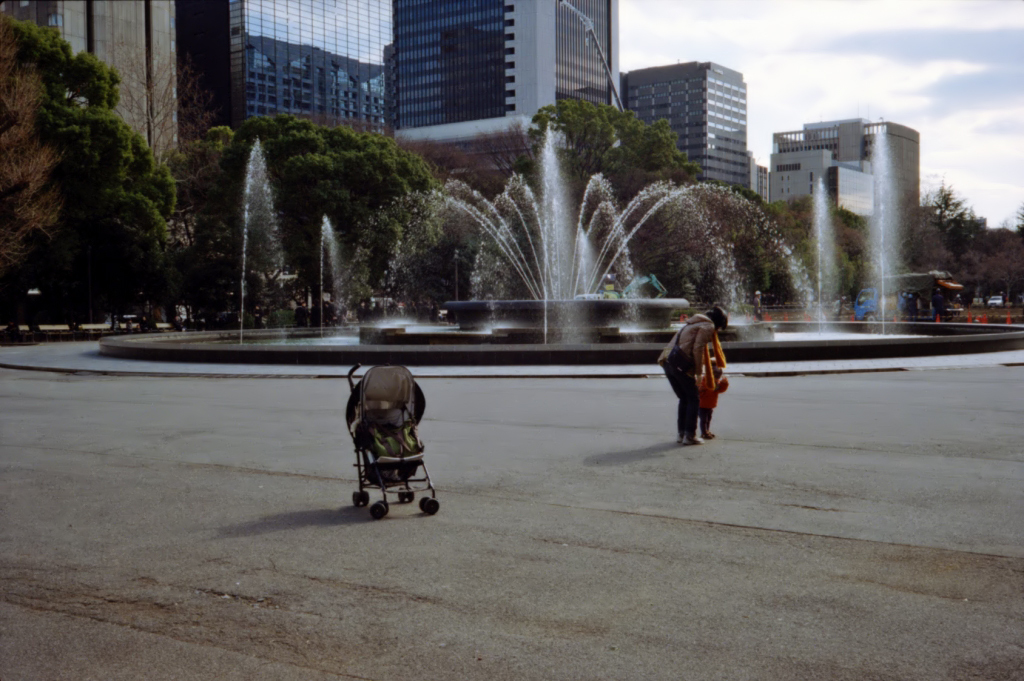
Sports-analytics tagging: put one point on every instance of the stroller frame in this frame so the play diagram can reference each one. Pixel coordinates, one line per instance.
(396, 476)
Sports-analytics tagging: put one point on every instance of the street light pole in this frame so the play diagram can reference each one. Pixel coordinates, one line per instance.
(588, 25)
(89, 266)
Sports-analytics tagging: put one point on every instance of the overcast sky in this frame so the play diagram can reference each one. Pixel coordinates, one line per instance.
(952, 70)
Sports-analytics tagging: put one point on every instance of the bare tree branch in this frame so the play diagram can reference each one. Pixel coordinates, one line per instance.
(27, 203)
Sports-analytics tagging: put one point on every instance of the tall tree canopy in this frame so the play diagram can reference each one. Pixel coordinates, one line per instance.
(354, 178)
(602, 139)
(116, 198)
(955, 221)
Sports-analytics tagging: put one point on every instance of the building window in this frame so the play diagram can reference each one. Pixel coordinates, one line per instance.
(55, 20)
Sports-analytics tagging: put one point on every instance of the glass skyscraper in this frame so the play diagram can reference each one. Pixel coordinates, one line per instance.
(477, 66)
(579, 73)
(320, 59)
(449, 61)
(706, 105)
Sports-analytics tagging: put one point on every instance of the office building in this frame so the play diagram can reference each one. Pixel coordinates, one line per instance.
(468, 67)
(136, 37)
(758, 177)
(318, 59)
(706, 105)
(842, 153)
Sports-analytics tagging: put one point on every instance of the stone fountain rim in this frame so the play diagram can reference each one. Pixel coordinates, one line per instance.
(196, 347)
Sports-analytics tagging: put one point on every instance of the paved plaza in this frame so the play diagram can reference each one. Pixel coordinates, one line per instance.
(848, 526)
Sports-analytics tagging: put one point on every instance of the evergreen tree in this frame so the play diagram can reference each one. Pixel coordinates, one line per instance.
(116, 199)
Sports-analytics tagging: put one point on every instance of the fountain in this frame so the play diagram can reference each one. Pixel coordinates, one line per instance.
(826, 247)
(328, 245)
(885, 219)
(259, 226)
(559, 263)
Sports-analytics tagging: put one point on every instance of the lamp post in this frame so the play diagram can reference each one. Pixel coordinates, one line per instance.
(89, 270)
(588, 25)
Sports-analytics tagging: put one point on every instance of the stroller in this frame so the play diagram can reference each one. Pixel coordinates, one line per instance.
(383, 411)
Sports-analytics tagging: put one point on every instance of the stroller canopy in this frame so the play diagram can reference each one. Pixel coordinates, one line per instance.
(384, 392)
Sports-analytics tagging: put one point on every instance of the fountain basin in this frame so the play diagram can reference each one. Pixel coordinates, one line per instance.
(222, 347)
(643, 313)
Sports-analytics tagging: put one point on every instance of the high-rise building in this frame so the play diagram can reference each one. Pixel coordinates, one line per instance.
(469, 67)
(136, 37)
(758, 177)
(706, 105)
(319, 59)
(841, 152)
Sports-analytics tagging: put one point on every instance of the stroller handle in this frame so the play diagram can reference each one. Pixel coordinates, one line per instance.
(351, 384)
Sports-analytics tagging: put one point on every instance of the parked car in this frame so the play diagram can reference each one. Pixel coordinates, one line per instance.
(995, 301)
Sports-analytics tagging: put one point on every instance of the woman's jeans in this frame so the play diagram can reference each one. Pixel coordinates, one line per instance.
(685, 388)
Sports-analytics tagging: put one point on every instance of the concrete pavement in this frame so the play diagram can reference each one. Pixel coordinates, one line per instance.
(863, 526)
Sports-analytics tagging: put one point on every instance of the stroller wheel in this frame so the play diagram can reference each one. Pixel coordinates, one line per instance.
(379, 510)
(430, 505)
(360, 498)
(405, 497)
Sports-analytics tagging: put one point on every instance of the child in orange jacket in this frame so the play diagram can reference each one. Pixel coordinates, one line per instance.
(709, 400)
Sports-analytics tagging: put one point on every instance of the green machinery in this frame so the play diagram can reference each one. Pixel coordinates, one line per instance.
(609, 291)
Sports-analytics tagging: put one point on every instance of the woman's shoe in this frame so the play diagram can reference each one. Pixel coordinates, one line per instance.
(708, 436)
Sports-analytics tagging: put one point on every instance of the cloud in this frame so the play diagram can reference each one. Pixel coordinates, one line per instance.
(995, 87)
(1002, 127)
(980, 47)
(952, 70)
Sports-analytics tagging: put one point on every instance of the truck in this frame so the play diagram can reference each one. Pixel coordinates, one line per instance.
(866, 306)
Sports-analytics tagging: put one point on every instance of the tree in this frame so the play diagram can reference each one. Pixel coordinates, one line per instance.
(1020, 221)
(602, 139)
(116, 198)
(355, 179)
(163, 101)
(28, 204)
(955, 221)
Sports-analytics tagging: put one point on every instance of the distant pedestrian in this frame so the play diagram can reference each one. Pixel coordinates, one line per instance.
(758, 309)
(938, 305)
(301, 315)
(13, 332)
(912, 307)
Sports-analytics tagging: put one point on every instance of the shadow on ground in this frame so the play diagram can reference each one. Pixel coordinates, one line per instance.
(631, 455)
(296, 520)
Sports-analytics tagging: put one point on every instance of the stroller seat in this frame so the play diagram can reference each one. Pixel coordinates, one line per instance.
(383, 412)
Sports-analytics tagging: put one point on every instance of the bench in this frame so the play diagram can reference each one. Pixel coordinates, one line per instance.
(55, 332)
(92, 331)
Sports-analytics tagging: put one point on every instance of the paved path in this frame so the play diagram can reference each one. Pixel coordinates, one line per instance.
(865, 526)
(85, 357)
